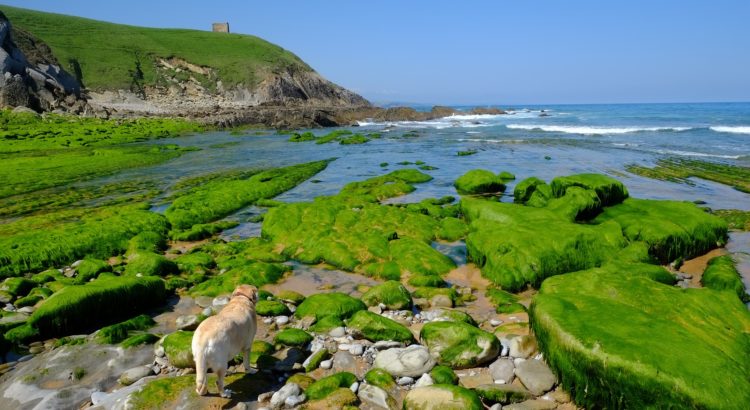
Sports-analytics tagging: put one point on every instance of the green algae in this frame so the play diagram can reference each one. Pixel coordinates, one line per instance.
(217, 199)
(178, 348)
(671, 229)
(721, 274)
(39, 242)
(374, 327)
(609, 190)
(459, 345)
(292, 337)
(326, 323)
(189, 262)
(202, 231)
(290, 296)
(271, 308)
(504, 302)
(391, 293)
(380, 378)
(735, 219)
(89, 269)
(680, 170)
(443, 375)
(598, 330)
(140, 339)
(150, 264)
(78, 308)
(118, 332)
(442, 397)
(334, 304)
(327, 385)
(248, 272)
(479, 181)
(533, 192)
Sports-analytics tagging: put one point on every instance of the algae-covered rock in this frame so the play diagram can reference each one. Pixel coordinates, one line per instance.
(455, 315)
(443, 375)
(392, 294)
(150, 264)
(326, 324)
(609, 190)
(721, 274)
(292, 337)
(411, 361)
(459, 345)
(335, 304)
(341, 398)
(671, 229)
(533, 192)
(327, 385)
(442, 397)
(17, 286)
(90, 269)
(578, 204)
(503, 393)
(504, 302)
(380, 378)
(618, 341)
(177, 347)
(271, 308)
(290, 296)
(479, 181)
(375, 327)
(195, 260)
(245, 272)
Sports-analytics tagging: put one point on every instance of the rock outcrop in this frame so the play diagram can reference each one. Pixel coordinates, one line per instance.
(37, 81)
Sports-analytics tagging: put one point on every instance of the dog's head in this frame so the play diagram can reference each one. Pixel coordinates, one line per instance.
(248, 291)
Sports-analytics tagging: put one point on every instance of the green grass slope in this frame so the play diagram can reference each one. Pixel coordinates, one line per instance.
(107, 52)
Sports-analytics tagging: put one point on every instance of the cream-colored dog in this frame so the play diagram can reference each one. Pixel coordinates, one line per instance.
(219, 338)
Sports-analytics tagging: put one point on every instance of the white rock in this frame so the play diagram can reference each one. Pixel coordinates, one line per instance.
(345, 346)
(337, 332)
(282, 320)
(356, 350)
(220, 301)
(354, 387)
(502, 369)
(411, 361)
(496, 406)
(207, 311)
(294, 401)
(374, 396)
(289, 389)
(133, 375)
(268, 320)
(425, 380)
(98, 397)
(326, 364)
(404, 381)
(504, 352)
(496, 322)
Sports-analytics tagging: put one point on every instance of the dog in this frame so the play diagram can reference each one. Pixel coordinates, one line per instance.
(222, 336)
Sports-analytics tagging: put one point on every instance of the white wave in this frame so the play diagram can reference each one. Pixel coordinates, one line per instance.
(508, 141)
(696, 154)
(573, 129)
(742, 129)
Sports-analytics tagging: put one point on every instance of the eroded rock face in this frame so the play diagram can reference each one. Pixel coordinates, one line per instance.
(37, 82)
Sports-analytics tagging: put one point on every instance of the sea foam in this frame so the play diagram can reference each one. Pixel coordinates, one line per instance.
(742, 129)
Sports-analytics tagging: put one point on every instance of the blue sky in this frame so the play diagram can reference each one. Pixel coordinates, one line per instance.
(479, 52)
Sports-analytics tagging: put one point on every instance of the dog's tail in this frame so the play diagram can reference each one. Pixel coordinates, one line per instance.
(201, 372)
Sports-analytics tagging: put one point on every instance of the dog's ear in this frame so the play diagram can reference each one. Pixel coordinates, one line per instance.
(248, 291)
(254, 293)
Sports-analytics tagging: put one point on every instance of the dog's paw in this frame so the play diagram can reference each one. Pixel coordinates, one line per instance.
(226, 393)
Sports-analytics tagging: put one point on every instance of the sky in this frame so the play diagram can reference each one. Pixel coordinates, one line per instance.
(484, 52)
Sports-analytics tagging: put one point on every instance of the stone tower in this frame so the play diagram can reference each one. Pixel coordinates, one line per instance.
(220, 27)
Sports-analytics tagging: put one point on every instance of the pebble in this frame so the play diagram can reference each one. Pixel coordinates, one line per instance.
(159, 351)
(288, 390)
(282, 320)
(268, 320)
(9, 308)
(345, 346)
(337, 332)
(220, 301)
(425, 380)
(354, 387)
(207, 311)
(326, 364)
(294, 401)
(27, 310)
(505, 351)
(405, 381)
(356, 350)
(36, 349)
(495, 322)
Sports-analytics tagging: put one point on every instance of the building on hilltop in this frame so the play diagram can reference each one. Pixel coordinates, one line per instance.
(220, 27)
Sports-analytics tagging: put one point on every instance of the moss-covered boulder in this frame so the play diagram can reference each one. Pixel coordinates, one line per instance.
(503, 393)
(327, 385)
(479, 181)
(335, 304)
(195, 260)
(380, 378)
(392, 294)
(671, 229)
(578, 204)
(271, 308)
(90, 268)
(17, 287)
(150, 264)
(533, 192)
(442, 397)
(505, 302)
(609, 190)
(374, 327)
(118, 332)
(240, 272)
(178, 348)
(290, 296)
(454, 315)
(293, 337)
(326, 324)
(459, 345)
(619, 341)
(341, 398)
(721, 274)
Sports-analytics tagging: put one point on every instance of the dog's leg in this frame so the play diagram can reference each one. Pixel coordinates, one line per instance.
(226, 393)
(246, 360)
(201, 377)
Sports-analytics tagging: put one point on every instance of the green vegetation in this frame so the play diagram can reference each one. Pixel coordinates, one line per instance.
(334, 304)
(44, 241)
(374, 327)
(178, 348)
(579, 322)
(245, 272)
(391, 293)
(442, 397)
(504, 394)
(290, 296)
(150, 264)
(327, 385)
(140, 339)
(679, 170)
(721, 274)
(735, 219)
(81, 307)
(466, 153)
(202, 231)
(443, 375)
(533, 192)
(505, 302)
(271, 308)
(353, 232)
(90, 269)
(380, 378)
(217, 199)
(292, 337)
(609, 190)
(118, 332)
(108, 52)
(479, 181)
(459, 345)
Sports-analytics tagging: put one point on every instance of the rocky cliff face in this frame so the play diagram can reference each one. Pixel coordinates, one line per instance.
(34, 80)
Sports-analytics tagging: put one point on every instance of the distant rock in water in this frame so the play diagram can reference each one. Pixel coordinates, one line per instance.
(31, 76)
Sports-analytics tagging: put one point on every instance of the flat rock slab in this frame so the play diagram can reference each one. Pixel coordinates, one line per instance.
(412, 361)
(538, 404)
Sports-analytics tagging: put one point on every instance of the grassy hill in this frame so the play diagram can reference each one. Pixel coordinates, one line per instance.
(107, 53)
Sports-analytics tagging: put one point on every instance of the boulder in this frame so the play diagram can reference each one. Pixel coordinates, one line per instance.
(178, 349)
(391, 293)
(479, 181)
(375, 397)
(271, 308)
(503, 393)
(502, 369)
(442, 397)
(287, 391)
(412, 361)
(374, 327)
(334, 304)
(536, 376)
(459, 345)
(131, 376)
